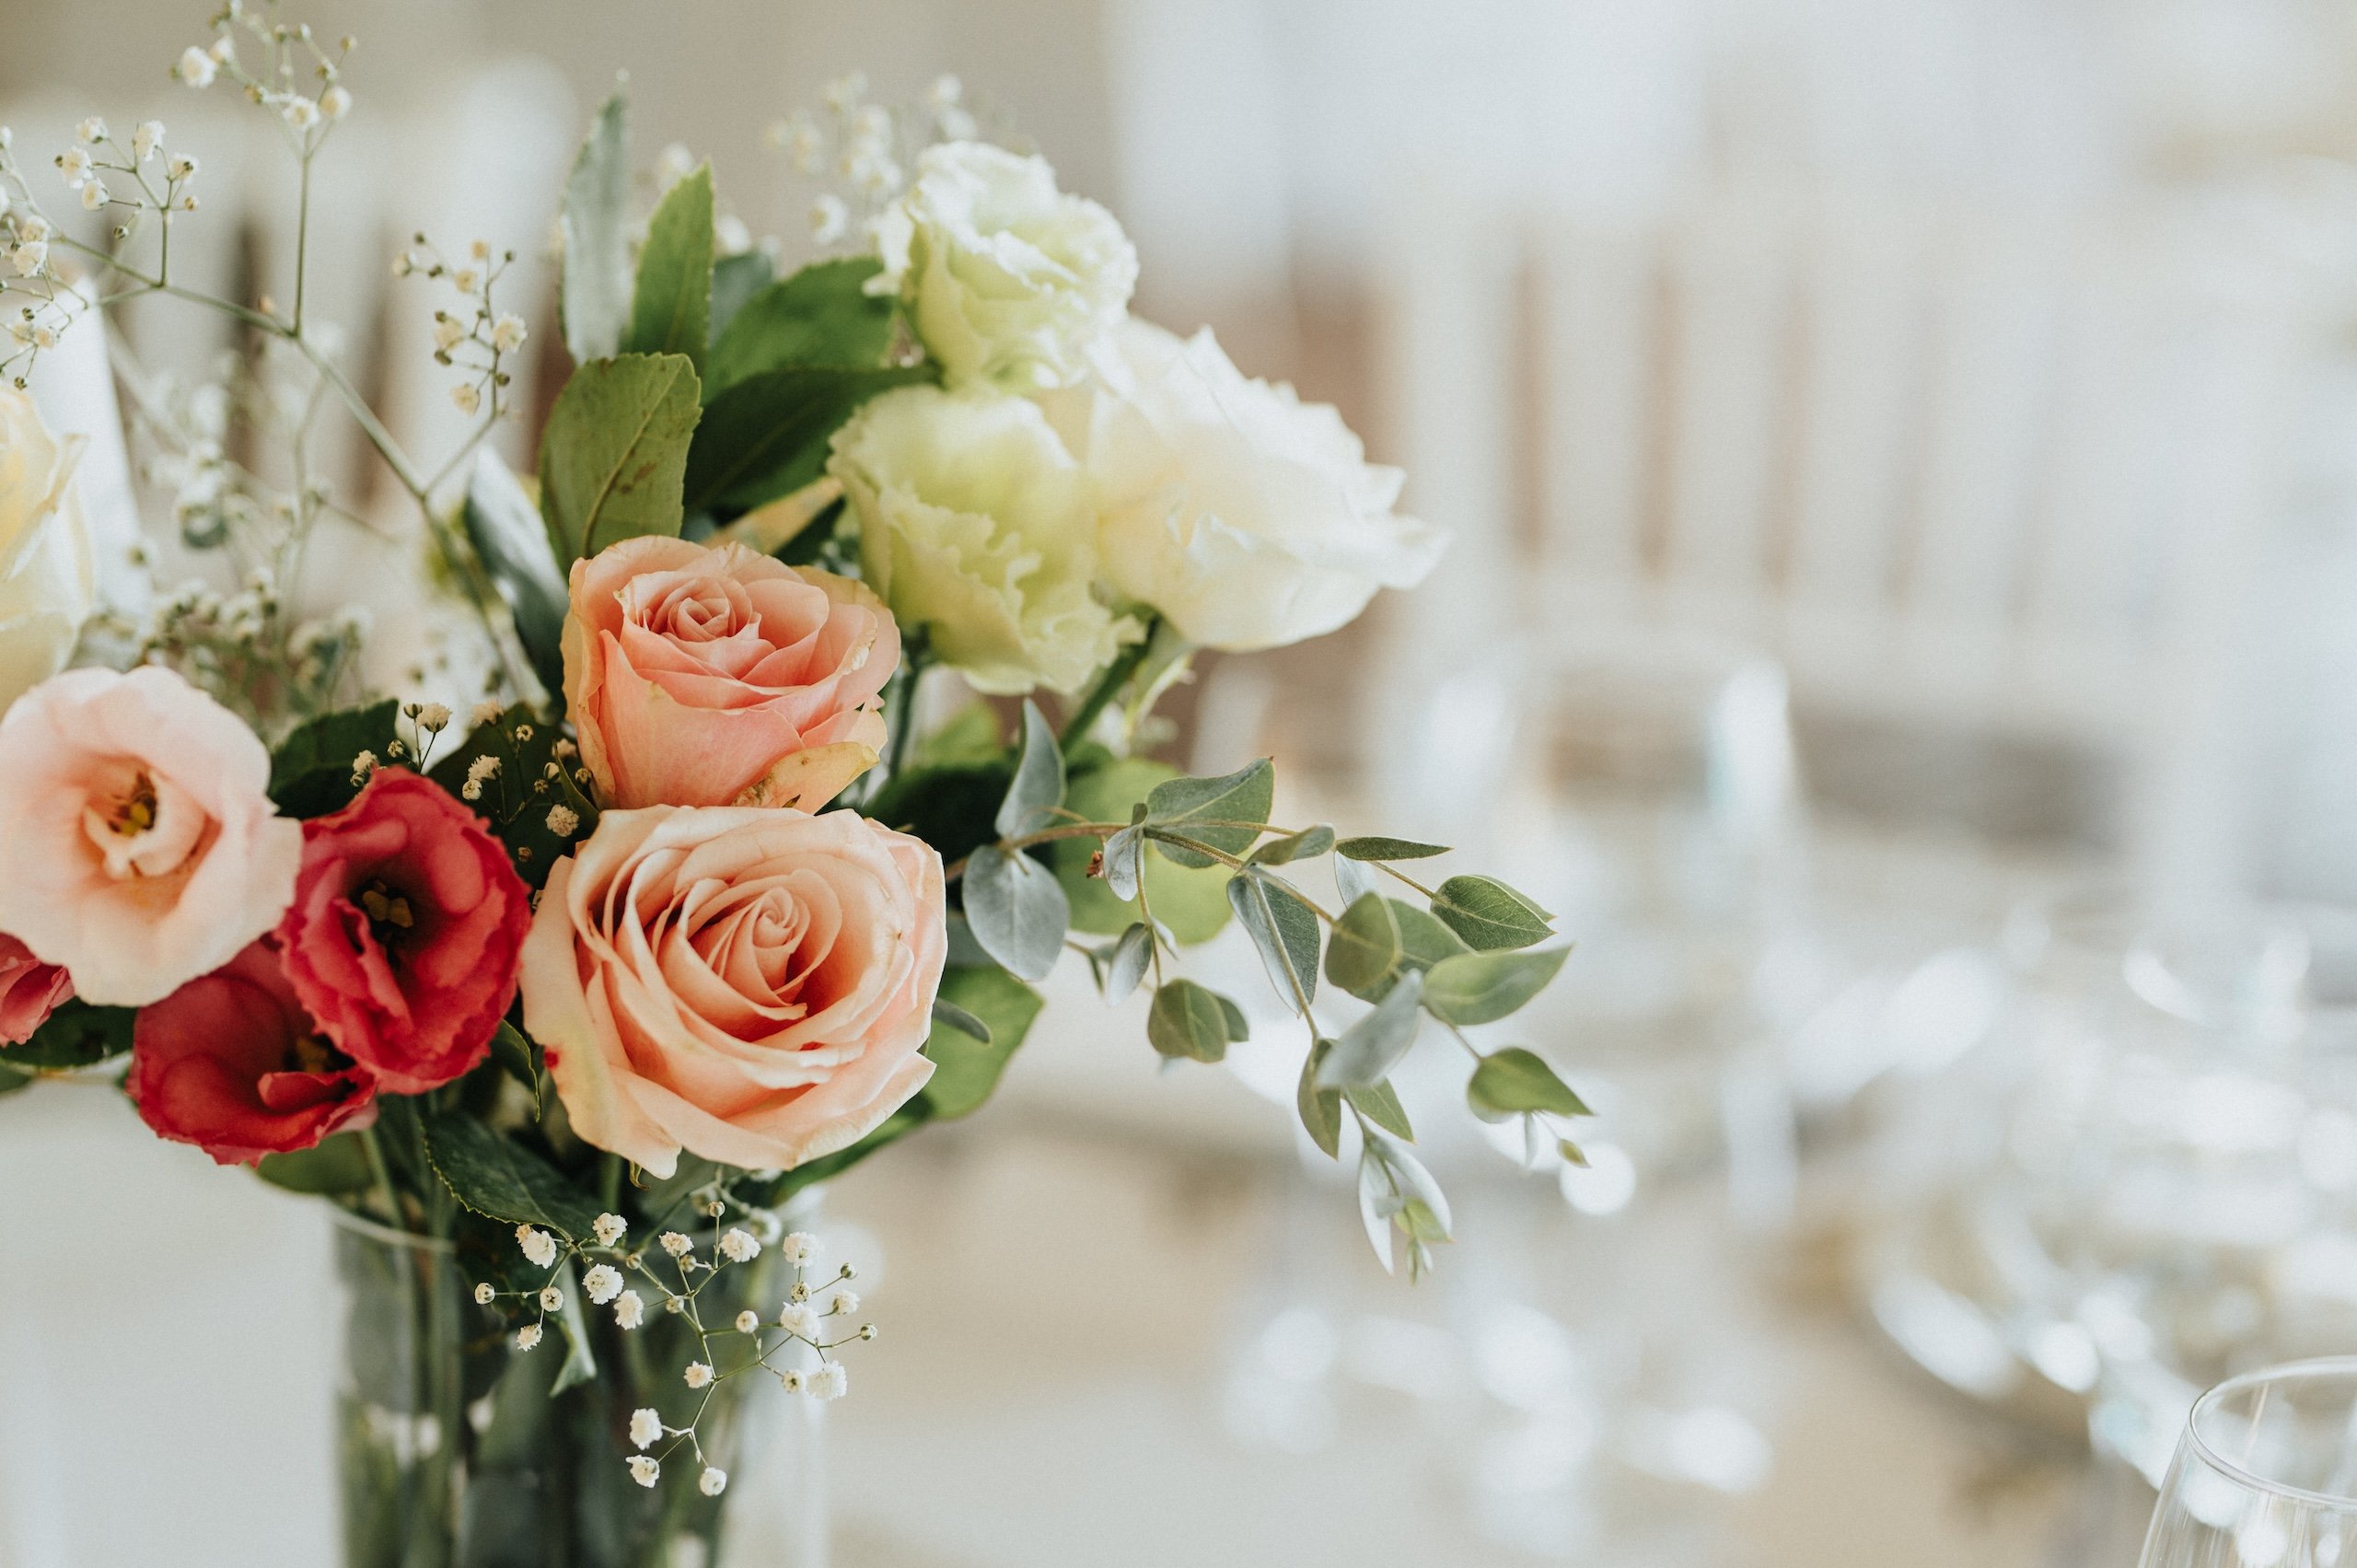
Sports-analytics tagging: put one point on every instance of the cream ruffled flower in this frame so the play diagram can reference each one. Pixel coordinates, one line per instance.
(48, 575)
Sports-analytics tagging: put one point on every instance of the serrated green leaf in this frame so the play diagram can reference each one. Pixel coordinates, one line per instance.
(615, 453)
(1513, 1081)
(1388, 849)
(967, 1066)
(735, 280)
(1184, 806)
(670, 310)
(1308, 844)
(1371, 1048)
(78, 1034)
(1036, 790)
(1320, 1109)
(500, 1178)
(766, 435)
(1362, 955)
(1489, 914)
(594, 299)
(519, 1057)
(336, 1165)
(310, 772)
(822, 315)
(512, 542)
(1188, 1020)
(1284, 927)
(1480, 988)
(1015, 909)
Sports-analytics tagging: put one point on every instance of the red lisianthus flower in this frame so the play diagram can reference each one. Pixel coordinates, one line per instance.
(405, 931)
(30, 991)
(231, 1062)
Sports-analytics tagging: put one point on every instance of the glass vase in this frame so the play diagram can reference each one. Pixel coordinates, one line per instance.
(461, 1450)
(2265, 1475)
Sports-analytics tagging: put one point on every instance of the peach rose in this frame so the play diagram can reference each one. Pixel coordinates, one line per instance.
(140, 844)
(750, 985)
(715, 676)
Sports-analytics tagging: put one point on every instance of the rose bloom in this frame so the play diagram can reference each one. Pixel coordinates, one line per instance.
(715, 676)
(748, 985)
(405, 932)
(30, 991)
(1248, 517)
(975, 525)
(231, 1062)
(1007, 279)
(48, 575)
(141, 848)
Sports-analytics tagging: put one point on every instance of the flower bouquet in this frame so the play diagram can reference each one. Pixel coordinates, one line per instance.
(568, 997)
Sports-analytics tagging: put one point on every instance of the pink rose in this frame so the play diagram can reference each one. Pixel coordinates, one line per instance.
(231, 1062)
(403, 936)
(140, 846)
(750, 985)
(715, 676)
(30, 991)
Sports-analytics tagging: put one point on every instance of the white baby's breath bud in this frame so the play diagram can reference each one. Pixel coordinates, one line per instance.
(468, 398)
(507, 335)
(551, 1299)
(223, 50)
(30, 258)
(93, 194)
(146, 139)
(528, 1336)
(867, 1331)
(673, 164)
(730, 235)
(74, 167)
(434, 717)
(677, 1245)
(484, 1294)
(196, 67)
(182, 167)
(712, 1482)
(645, 1427)
(830, 220)
(957, 125)
(873, 126)
(363, 764)
(630, 1309)
(791, 1380)
(842, 94)
(740, 1246)
(799, 1246)
(610, 1229)
(44, 335)
(946, 92)
(698, 1374)
(301, 112)
(91, 131)
(448, 332)
(335, 103)
(30, 225)
(843, 1303)
(800, 1318)
(603, 1284)
(674, 1304)
(644, 1470)
(464, 279)
(563, 821)
(483, 714)
(829, 1380)
(749, 1321)
(540, 1247)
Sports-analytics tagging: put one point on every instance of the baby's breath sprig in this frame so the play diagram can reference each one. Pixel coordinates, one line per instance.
(476, 337)
(857, 151)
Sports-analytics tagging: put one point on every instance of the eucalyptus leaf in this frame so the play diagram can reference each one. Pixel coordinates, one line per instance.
(1285, 928)
(1016, 910)
(957, 1017)
(500, 1178)
(1128, 965)
(735, 281)
(595, 297)
(1188, 1021)
(310, 772)
(1238, 1029)
(1124, 862)
(670, 310)
(1513, 1082)
(1353, 880)
(967, 1064)
(615, 453)
(1038, 789)
(1416, 1183)
(1379, 1199)
(513, 545)
(1480, 988)
(1320, 1109)
(1388, 849)
(767, 435)
(1489, 914)
(1367, 1052)
(1191, 902)
(821, 315)
(1183, 806)
(1379, 1103)
(1364, 953)
(1308, 844)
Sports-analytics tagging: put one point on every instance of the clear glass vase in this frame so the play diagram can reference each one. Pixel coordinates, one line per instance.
(2266, 1474)
(457, 1450)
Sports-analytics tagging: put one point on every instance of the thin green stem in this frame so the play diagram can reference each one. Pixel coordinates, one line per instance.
(914, 658)
(1107, 687)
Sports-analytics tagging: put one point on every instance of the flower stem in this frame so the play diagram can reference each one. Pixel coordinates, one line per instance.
(1108, 685)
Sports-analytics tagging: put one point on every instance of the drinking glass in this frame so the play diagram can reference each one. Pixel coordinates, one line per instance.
(2265, 1474)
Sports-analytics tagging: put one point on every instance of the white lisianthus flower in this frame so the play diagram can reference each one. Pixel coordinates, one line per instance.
(1248, 517)
(49, 580)
(1007, 279)
(976, 526)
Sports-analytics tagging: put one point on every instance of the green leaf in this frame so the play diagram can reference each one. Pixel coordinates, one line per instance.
(519, 1056)
(78, 1034)
(1191, 904)
(671, 312)
(1037, 787)
(1513, 1082)
(1369, 1048)
(1320, 1109)
(966, 1066)
(972, 737)
(1128, 965)
(337, 1165)
(1388, 849)
(615, 452)
(1308, 844)
(580, 1362)
(822, 315)
(766, 435)
(948, 1013)
(310, 773)
(949, 806)
(513, 545)
(500, 1178)
(1016, 909)
(1238, 1029)
(1480, 988)
(1363, 956)
(735, 280)
(1489, 914)
(1189, 1020)
(1285, 928)
(1354, 879)
(1380, 1104)
(595, 297)
(1424, 940)
(1181, 806)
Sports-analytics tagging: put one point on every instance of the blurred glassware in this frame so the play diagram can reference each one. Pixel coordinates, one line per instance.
(2265, 1473)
